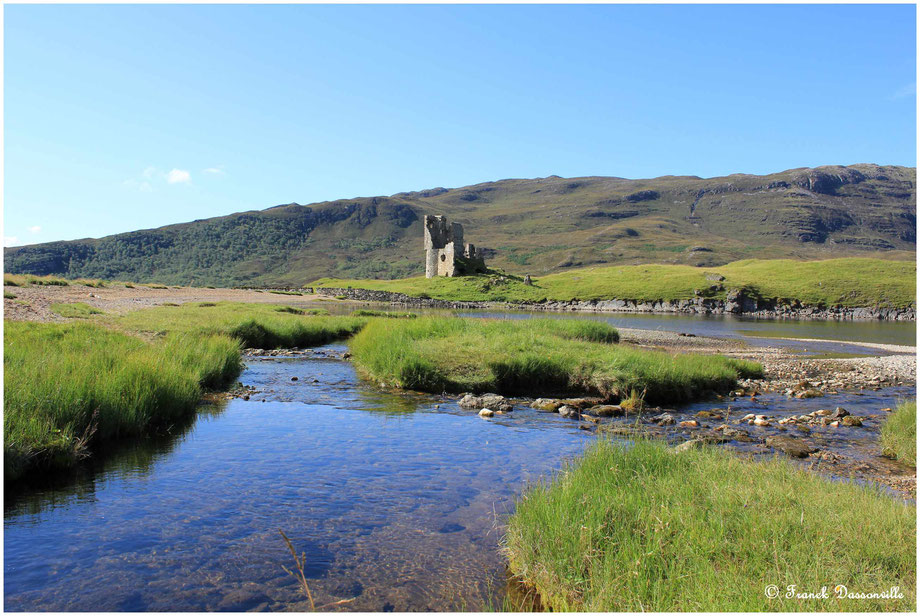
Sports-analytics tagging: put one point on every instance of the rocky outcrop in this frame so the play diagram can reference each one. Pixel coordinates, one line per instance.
(736, 302)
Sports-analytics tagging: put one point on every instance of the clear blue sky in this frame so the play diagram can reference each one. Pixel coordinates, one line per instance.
(126, 117)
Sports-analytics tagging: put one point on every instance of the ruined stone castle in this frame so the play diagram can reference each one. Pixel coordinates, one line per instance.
(445, 252)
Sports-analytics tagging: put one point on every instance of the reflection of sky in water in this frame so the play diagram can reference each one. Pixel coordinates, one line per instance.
(396, 503)
(395, 507)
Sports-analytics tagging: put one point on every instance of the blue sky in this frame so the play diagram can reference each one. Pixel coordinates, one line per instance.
(126, 117)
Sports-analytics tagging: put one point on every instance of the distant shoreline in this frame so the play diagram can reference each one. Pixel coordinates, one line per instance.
(701, 306)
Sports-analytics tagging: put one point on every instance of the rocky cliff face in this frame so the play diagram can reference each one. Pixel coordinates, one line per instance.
(524, 226)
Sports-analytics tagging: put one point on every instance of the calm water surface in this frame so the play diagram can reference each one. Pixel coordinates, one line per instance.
(395, 502)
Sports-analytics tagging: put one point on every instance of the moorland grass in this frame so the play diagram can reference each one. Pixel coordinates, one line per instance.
(67, 385)
(899, 434)
(76, 310)
(630, 528)
(850, 282)
(363, 312)
(537, 355)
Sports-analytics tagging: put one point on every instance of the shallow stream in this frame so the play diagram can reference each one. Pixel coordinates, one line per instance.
(397, 500)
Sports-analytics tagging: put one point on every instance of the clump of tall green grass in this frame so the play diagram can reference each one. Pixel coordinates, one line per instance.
(536, 355)
(302, 311)
(362, 312)
(645, 529)
(899, 434)
(69, 385)
(76, 310)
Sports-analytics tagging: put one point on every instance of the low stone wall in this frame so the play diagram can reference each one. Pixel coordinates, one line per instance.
(738, 304)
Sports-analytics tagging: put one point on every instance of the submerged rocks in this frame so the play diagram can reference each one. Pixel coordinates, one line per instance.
(665, 419)
(851, 420)
(734, 434)
(790, 446)
(493, 402)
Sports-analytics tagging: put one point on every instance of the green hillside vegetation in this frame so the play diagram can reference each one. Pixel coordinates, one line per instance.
(535, 226)
(641, 528)
(844, 282)
(536, 356)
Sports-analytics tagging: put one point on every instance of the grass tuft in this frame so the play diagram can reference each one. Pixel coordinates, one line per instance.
(899, 434)
(362, 312)
(76, 310)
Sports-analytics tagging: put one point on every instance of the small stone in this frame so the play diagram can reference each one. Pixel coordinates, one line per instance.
(486, 413)
(834, 424)
(293, 378)
(851, 420)
(607, 410)
(546, 404)
(585, 426)
(749, 417)
(688, 445)
(665, 419)
(821, 413)
(839, 412)
(692, 423)
(569, 412)
(793, 447)
(488, 401)
(761, 422)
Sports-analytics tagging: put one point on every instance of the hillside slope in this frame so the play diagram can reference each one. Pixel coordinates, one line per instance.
(536, 226)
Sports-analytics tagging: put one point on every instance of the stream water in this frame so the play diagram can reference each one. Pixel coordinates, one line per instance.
(397, 500)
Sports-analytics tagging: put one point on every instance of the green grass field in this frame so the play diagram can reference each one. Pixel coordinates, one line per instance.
(844, 282)
(641, 528)
(537, 355)
(899, 434)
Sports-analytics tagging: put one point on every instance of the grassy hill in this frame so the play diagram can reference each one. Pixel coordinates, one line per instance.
(851, 282)
(534, 226)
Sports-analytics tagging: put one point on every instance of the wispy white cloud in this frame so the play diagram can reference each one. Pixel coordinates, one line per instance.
(178, 176)
(908, 90)
(149, 172)
(10, 240)
(218, 170)
(35, 229)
